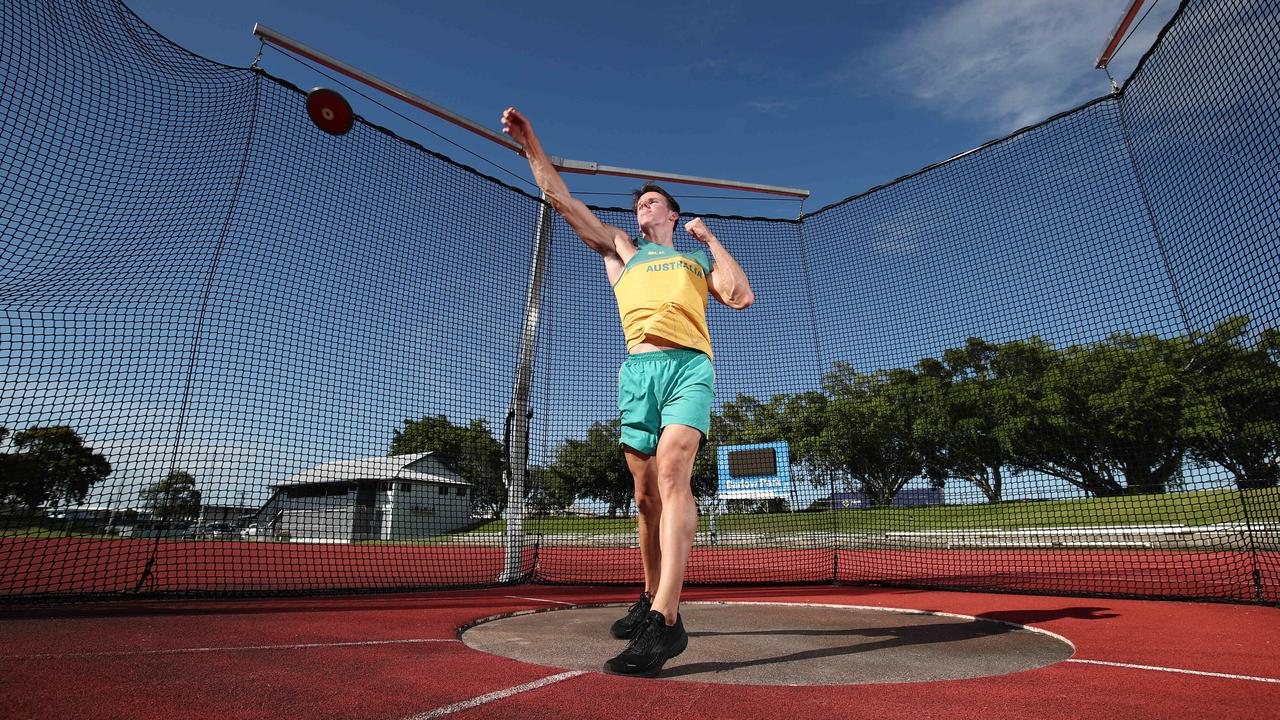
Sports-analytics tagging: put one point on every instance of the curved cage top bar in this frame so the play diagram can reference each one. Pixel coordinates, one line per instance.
(245, 356)
(581, 167)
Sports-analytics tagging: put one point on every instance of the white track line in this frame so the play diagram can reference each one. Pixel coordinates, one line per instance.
(1176, 670)
(176, 651)
(498, 695)
(557, 602)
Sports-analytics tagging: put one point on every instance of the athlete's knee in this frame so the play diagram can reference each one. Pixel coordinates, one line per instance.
(675, 484)
(648, 500)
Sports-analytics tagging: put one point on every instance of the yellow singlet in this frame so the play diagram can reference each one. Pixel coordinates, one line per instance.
(663, 293)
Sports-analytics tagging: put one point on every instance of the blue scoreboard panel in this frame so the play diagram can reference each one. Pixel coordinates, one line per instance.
(754, 472)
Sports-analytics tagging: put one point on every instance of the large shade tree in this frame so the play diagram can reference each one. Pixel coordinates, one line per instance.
(958, 419)
(50, 466)
(1109, 417)
(1239, 427)
(174, 497)
(594, 467)
(870, 431)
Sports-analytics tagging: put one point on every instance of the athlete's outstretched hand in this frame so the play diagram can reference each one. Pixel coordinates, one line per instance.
(698, 230)
(517, 126)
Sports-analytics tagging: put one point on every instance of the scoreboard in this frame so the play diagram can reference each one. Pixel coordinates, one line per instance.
(754, 472)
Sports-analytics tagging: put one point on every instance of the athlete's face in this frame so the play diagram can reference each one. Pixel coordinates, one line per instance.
(652, 209)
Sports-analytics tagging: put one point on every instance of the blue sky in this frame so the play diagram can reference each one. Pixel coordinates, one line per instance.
(833, 97)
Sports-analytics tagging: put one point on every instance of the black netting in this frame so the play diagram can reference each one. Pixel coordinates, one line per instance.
(241, 355)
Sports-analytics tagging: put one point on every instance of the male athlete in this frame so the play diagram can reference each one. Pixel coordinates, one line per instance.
(665, 387)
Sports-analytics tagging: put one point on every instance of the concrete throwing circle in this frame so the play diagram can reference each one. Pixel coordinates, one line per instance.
(743, 643)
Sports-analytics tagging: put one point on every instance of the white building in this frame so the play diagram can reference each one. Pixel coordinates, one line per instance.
(397, 497)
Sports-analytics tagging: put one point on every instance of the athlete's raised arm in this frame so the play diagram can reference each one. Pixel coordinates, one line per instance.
(607, 240)
(727, 282)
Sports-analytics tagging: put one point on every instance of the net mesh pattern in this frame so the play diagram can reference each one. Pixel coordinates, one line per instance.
(244, 356)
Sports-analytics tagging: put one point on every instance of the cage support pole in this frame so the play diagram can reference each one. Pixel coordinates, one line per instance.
(519, 415)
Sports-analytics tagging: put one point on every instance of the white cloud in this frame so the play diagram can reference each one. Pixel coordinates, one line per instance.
(1011, 63)
(770, 107)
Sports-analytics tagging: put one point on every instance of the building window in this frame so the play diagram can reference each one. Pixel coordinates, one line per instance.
(406, 486)
(317, 490)
(444, 489)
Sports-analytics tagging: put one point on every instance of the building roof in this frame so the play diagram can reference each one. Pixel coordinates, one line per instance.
(420, 467)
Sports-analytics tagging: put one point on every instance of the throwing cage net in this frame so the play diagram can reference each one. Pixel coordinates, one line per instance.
(241, 355)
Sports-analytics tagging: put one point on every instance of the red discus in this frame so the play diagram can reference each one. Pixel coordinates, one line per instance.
(329, 111)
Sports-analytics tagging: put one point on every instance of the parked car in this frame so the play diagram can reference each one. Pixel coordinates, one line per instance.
(254, 530)
(168, 529)
(218, 530)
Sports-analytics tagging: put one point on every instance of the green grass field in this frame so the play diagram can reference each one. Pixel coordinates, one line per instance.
(1203, 507)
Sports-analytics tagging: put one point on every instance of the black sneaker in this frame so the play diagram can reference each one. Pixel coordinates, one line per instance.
(651, 648)
(625, 628)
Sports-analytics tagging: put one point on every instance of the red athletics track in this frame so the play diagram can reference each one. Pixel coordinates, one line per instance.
(398, 656)
(32, 566)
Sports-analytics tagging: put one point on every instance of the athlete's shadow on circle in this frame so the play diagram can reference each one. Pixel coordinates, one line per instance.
(983, 626)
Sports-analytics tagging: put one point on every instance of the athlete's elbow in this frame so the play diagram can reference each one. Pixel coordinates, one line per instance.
(559, 202)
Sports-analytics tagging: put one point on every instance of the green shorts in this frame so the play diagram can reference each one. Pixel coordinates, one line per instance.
(661, 388)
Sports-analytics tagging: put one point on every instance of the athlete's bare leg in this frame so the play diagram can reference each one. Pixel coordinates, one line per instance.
(644, 470)
(671, 470)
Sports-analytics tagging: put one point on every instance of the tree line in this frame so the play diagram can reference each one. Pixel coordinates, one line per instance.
(1124, 415)
(1119, 416)
(51, 466)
